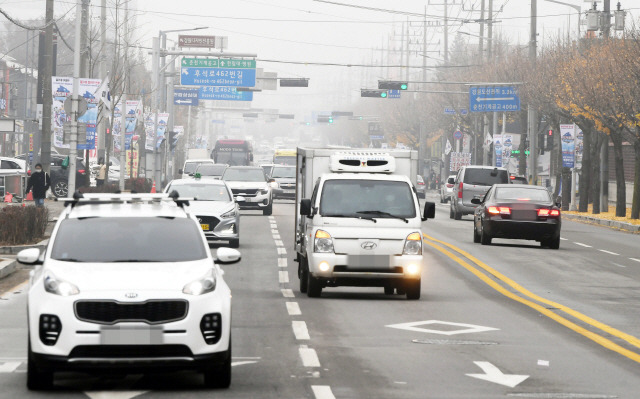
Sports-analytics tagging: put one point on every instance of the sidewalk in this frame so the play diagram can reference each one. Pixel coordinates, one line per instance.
(608, 219)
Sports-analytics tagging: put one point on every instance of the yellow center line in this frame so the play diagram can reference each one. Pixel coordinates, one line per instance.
(600, 340)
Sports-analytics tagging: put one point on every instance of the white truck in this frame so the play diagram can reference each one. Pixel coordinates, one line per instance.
(358, 220)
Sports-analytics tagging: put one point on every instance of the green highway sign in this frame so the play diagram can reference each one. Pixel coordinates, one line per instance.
(218, 63)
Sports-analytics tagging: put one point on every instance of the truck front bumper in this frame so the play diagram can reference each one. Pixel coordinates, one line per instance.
(339, 269)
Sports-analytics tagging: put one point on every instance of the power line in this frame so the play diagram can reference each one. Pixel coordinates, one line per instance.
(27, 27)
(363, 65)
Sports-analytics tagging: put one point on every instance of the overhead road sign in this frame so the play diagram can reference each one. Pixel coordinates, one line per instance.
(224, 93)
(183, 96)
(494, 99)
(285, 82)
(373, 93)
(325, 119)
(218, 63)
(392, 85)
(218, 77)
(200, 41)
(341, 113)
(286, 116)
(376, 137)
(250, 115)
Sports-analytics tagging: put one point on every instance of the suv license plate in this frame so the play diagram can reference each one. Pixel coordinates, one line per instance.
(205, 227)
(131, 335)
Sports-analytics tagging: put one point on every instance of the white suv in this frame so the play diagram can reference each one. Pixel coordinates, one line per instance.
(128, 282)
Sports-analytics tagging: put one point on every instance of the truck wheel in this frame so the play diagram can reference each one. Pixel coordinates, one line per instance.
(37, 379)
(389, 290)
(268, 210)
(219, 376)
(314, 286)
(412, 288)
(302, 274)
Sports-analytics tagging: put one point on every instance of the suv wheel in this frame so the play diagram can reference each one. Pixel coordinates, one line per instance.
(268, 210)
(219, 376)
(37, 379)
(60, 189)
(457, 215)
(476, 236)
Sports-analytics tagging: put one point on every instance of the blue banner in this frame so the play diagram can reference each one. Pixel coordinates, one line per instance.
(567, 139)
(218, 77)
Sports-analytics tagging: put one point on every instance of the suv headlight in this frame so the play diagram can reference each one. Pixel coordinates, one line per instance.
(413, 244)
(274, 184)
(264, 191)
(230, 214)
(203, 285)
(54, 285)
(323, 242)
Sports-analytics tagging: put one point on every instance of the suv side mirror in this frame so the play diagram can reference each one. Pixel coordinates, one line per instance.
(227, 256)
(305, 207)
(429, 211)
(29, 256)
(476, 201)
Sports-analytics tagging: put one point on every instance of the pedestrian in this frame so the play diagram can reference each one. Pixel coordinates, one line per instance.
(102, 173)
(38, 183)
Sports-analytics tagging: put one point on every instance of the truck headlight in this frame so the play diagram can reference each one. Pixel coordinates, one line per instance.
(54, 285)
(413, 244)
(323, 242)
(230, 214)
(203, 285)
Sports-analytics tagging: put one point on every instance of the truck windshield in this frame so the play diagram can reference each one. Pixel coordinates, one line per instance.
(376, 198)
(128, 239)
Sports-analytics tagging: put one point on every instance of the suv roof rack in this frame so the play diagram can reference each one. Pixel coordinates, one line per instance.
(122, 198)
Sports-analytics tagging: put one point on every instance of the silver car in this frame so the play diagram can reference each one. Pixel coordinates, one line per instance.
(215, 208)
(473, 182)
(447, 189)
(421, 188)
(285, 179)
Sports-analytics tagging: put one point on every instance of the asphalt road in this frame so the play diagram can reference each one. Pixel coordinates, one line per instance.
(506, 320)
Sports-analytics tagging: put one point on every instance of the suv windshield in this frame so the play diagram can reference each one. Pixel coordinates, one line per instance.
(522, 194)
(255, 175)
(283, 172)
(131, 239)
(203, 192)
(190, 167)
(211, 170)
(367, 198)
(485, 177)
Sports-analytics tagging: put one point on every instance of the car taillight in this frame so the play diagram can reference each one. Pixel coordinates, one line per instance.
(493, 210)
(499, 210)
(512, 177)
(449, 185)
(81, 171)
(548, 213)
(460, 191)
(420, 183)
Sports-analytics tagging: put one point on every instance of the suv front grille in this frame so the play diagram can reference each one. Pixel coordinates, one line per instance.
(152, 311)
(245, 192)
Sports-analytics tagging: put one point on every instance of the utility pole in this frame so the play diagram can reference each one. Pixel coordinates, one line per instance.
(446, 32)
(75, 100)
(604, 151)
(531, 112)
(123, 98)
(84, 46)
(494, 129)
(424, 47)
(171, 122)
(103, 72)
(47, 95)
(485, 118)
(406, 54)
(155, 61)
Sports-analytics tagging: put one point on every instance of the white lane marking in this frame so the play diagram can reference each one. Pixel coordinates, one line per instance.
(9, 367)
(322, 392)
(308, 356)
(465, 328)
(271, 218)
(279, 243)
(544, 363)
(287, 293)
(400, 382)
(617, 264)
(274, 226)
(276, 237)
(563, 239)
(300, 330)
(284, 276)
(493, 374)
(293, 308)
(582, 245)
(246, 358)
(242, 363)
(282, 262)
(282, 251)
(274, 231)
(608, 252)
(637, 260)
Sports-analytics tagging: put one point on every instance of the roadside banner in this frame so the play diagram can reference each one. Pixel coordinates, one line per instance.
(567, 139)
(150, 135)
(507, 146)
(579, 147)
(62, 87)
(163, 119)
(447, 148)
(497, 146)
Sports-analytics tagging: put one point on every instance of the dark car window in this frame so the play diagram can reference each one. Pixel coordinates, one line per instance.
(9, 165)
(516, 193)
(485, 177)
(128, 239)
(356, 198)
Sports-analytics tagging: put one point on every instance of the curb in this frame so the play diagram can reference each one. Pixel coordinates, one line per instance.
(614, 224)
(7, 267)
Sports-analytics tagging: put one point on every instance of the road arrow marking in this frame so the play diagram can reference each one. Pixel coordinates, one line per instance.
(493, 374)
(9, 367)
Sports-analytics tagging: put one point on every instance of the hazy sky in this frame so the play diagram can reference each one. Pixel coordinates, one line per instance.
(311, 31)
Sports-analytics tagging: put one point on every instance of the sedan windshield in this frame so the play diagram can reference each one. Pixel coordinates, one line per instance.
(522, 194)
(283, 172)
(203, 192)
(253, 175)
(135, 239)
(367, 198)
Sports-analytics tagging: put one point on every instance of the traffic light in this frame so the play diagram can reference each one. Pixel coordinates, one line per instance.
(392, 85)
(515, 153)
(373, 93)
(550, 140)
(304, 82)
(541, 143)
(325, 119)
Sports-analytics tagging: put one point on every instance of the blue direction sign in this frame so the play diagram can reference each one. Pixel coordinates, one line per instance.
(493, 99)
(393, 94)
(218, 77)
(224, 93)
(449, 111)
(185, 96)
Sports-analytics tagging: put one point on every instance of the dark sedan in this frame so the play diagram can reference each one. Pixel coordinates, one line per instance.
(518, 212)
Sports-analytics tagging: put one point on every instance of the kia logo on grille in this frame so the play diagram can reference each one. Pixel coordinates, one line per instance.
(131, 295)
(369, 245)
(200, 220)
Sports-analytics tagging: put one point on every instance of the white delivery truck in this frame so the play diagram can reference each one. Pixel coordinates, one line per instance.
(358, 220)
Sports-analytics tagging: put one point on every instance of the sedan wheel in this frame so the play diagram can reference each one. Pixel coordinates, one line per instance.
(485, 239)
(476, 236)
(60, 188)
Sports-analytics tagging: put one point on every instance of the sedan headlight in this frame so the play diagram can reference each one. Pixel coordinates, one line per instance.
(323, 242)
(203, 285)
(230, 214)
(413, 244)
(54, 285)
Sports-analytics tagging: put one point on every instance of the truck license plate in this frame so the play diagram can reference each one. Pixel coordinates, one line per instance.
(112, 335)
(205, 227)
(369, 261)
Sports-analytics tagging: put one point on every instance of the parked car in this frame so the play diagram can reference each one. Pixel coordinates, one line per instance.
(447, 189)
(473, 182)
(60, 175)
(421, 188)
(285, 181)
(215, 209)
(518, 212)
(11, 165)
